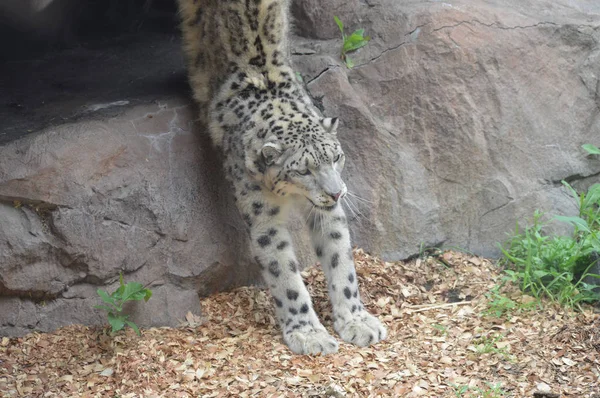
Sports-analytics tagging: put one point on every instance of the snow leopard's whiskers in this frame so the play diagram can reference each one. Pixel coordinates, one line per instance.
(346, 201)
(310, 214)
(355, 196)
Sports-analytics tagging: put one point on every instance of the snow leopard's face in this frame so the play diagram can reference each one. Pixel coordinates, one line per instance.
(307, 161)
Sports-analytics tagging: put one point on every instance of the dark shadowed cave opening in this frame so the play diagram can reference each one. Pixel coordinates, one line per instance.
(73, 58)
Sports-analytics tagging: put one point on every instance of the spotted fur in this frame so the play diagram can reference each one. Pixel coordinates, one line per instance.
(279, 152)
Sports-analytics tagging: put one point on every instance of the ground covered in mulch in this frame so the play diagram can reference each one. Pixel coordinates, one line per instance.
(442, 343)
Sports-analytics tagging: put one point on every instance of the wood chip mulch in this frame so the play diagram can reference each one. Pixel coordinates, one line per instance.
(441, 344)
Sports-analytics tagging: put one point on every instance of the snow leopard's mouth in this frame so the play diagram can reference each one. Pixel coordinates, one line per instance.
(326, 208)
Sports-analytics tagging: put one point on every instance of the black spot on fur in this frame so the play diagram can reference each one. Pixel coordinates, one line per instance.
(354, 308)
(257, 208)
(355, 294)
(335, 235)
(282, 245)
(278, 302)
(293, 311)
(351, 277)
(274, 211)
(259, 60)
(335, 260)
(293, 266)
(292, 294)
(233, 22)
(347, 292)
(264, 241)
(319, 251)
(274, 268)
(272, 232)
(304, 308)
(341, 219)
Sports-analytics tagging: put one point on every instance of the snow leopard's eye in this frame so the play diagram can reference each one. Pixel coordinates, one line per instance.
(337, 158)
(303, 172)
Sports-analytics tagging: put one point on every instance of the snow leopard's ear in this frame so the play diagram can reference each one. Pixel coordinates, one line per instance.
(270, 152)
(330, 124)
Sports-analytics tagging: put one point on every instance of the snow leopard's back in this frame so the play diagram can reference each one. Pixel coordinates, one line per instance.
(222, 37)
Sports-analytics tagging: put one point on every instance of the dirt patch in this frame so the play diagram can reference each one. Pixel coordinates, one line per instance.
(440, 344)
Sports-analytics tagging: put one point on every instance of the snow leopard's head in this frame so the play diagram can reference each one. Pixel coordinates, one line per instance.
(305, 159)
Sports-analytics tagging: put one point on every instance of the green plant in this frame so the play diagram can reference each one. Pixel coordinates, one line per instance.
(500, 305)
(132, 291)
(591, 149)
(459, 391)
(441, 329)
(351, 43)
(492, 391)
(558, 267)
(487, 345)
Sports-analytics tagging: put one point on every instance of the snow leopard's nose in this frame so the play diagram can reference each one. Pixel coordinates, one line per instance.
(335, 196)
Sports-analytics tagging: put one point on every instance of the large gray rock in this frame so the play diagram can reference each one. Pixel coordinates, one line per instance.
(458, 120)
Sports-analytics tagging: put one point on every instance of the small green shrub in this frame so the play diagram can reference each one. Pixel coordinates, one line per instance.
(351, 43)
(132, 291)
(500, 305)
(487, 345)
(557, 267)
(492, 391)
(440, 329)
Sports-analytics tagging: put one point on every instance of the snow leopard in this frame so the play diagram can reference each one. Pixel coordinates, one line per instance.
(279, 153)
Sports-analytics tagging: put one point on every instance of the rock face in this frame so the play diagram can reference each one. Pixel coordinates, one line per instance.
(458, 119)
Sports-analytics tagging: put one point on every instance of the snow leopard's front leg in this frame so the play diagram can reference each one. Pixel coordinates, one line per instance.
(331, 240)
(273, 251)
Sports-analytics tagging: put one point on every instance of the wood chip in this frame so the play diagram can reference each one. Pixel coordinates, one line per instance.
(235, 348)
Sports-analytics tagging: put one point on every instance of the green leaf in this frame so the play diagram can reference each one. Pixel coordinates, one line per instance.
(117, 322)
(134, 291)
(592, 197)
(105, 297)
(340, 24)
(134, 327)
(540, 274)
(148, 294)
(578, 222)
(104, 307)
(591, 149)
(358, 32)
(117, 295)
(349, 62)
(570, 188)
(354, 44)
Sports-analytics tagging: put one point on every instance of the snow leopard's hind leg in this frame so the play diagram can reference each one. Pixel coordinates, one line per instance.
(331, 240)
(272, 247)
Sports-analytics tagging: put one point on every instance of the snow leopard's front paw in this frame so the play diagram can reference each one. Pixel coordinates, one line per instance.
(360, 328)
(306, 339)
